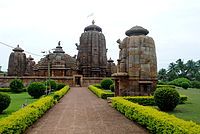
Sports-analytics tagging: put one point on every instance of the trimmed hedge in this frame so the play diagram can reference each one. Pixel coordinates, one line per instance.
(18, 121)
(5, 89)
(59, 94)
(155, 121)
(100, 93)
(149, 100)
(165, 86)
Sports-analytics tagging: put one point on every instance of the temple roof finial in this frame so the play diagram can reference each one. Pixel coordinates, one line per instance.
(59, 43)
(93, 22)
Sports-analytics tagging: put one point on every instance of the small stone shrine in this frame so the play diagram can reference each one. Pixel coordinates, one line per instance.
(17, 62)
(58, 62)
(137, 64)
(92, 59)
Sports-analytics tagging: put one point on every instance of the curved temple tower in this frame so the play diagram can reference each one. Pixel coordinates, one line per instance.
(92, 59)
(17, 62)
(137, 64)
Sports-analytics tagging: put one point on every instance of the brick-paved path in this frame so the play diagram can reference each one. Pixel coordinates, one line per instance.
(81, 112)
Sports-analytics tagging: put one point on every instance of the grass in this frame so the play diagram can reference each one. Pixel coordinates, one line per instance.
(16, 102)
(190, 110)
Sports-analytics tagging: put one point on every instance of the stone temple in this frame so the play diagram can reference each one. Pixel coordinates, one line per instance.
(92, 59)
(137, 64)
(17, 62)
(135, 73)
(59, 63)
(90, 62)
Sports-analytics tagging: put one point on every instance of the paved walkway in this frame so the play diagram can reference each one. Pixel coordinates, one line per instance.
(81, 112)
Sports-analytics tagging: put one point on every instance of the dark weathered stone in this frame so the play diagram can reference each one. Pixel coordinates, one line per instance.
(137, 65)
(29, 66)
(17, 62)
(60, 64)
(92, 59)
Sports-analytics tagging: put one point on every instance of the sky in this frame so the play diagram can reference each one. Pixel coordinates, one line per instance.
(38, 25)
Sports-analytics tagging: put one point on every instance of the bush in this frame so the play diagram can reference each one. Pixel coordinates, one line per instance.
(52, 83)
(195, 84)
(155, 121)
(105, 83)
(166, 98)
(98, 86)
(17, 122)
(5, 89)
(149, 100)
(36, 89)
(165, 86)
(100, 93)
(112, 87)
(4, 101)
(185, 85)
(59, 94)
(60, 86)
(178, 82)
(16, 86)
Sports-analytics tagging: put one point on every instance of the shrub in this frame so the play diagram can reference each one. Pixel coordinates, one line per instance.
(17, 122)
(112, 87)
(195, 84)
(149, 100)
(52, 84)
(166, 98)
(98, 86)
(185, 85)
(36, 89)
(5, 89)
(155, 121)
(4, 101)
(16, 86)
(165, 86)
(178, 82)
(105, 83)
(59, 94)
(100, 93)
(60, 86)
(162, 82)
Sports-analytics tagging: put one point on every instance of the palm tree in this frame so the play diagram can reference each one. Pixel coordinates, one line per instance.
(162, 74)
(172, 71)
(180, 68)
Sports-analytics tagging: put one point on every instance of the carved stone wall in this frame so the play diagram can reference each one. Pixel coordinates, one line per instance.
(92, 59)
(17, 62)
(137, 64)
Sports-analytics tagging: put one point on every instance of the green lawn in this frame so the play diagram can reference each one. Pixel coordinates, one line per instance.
(16, 102)
(190, 110)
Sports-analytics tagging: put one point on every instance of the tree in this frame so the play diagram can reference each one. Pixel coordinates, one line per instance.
(162, 74)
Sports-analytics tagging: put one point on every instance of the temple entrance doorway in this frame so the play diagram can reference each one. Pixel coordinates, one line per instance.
(77, 80)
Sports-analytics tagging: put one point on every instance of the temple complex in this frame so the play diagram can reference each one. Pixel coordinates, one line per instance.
(135, 73)
(137, 64)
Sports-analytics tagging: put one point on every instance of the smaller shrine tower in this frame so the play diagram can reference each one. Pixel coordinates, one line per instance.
(92, 59)
(137, 64)
(17, 62)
